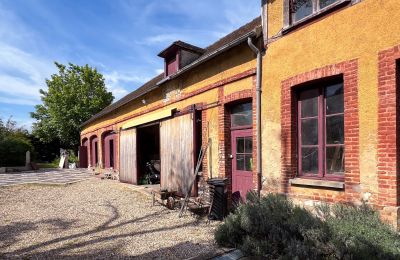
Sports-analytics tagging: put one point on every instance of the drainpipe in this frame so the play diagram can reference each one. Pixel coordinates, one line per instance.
(264, 24)
(258, 111)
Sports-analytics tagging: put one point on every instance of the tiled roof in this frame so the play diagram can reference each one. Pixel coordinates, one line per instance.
(152, 84)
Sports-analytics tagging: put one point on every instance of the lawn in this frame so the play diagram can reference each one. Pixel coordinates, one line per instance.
(96, 219)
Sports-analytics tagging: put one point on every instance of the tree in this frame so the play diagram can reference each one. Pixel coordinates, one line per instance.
(74, 95)
(14, 142)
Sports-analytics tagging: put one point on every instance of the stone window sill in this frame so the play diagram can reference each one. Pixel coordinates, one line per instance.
(317, 183)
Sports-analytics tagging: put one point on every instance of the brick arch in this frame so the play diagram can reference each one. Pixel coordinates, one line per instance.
(349, 72)
(92, 140)
(224, 135)
(106, 136)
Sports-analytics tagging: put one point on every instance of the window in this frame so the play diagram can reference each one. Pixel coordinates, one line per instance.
(301, 9)
(321, 131)
(244, 153)
(241, 115)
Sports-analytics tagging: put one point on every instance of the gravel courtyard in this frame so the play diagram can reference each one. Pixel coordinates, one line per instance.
(95, 219)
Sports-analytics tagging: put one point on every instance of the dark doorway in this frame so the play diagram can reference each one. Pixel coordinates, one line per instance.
(148, 152)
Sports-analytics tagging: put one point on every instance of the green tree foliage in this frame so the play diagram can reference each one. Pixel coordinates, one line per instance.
(74, 95)
(14, 142)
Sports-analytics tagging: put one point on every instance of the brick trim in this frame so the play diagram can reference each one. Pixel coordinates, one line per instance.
(349, 71)
(184, 96)
(388, 124)
(224, 132)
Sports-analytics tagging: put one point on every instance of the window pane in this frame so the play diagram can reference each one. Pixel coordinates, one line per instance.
(325, 3)
(240, 162)
(309, 131)
(248, 145)
(335, 129)
(248, 162)
(309, 107)
(240, 145)
(334, 99)
(302, 8)
(309, 160)
(335, 159)
(241, 115)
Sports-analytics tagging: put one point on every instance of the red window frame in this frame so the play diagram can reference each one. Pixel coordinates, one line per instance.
(319, 92)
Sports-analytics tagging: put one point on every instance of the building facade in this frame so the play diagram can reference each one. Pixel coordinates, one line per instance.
(330, 102)
(329, 108)
(205, 96)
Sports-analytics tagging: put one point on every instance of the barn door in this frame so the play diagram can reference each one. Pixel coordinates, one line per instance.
(128, 167)
(176, 144)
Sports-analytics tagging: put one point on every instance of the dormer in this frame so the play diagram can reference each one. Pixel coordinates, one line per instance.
(178, 55)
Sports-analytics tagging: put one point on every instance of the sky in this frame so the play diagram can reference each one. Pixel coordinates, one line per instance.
(120, 38)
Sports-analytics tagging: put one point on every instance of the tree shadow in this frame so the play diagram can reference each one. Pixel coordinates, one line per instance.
(93, 238)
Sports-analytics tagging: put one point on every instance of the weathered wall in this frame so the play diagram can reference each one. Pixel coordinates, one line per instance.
(357, 32)
(233, 71)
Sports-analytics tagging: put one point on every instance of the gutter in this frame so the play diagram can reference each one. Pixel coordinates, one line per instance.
(264, 11)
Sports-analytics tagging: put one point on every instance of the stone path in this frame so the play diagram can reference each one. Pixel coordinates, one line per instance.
(45, 176)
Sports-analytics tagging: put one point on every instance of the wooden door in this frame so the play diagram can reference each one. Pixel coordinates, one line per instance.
(176, 150)
(83, 156)
(242, 162)
(127, 161)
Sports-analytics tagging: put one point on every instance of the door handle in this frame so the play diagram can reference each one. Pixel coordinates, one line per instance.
(230, 156)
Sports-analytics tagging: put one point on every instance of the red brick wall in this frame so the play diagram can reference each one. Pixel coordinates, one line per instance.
(349, 72)
(388, 124)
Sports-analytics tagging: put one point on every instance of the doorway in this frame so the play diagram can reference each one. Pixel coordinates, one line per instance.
(148, 153)
(242, 150)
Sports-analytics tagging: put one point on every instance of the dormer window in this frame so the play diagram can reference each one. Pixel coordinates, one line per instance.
(178, 55)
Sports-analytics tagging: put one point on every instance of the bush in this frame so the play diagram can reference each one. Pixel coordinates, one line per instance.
(13, 151)
(274, 227)
(358, 232)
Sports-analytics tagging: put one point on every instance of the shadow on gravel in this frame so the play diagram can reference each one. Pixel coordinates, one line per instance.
(9, 235)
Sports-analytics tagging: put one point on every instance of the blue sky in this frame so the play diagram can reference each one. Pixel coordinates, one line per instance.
(120, 38)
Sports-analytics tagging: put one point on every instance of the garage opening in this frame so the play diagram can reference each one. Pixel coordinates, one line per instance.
(148, 154)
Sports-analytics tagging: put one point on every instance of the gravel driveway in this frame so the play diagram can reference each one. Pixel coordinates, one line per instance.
(95, 219)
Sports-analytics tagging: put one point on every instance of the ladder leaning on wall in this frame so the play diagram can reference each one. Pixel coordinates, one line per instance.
(202, 153)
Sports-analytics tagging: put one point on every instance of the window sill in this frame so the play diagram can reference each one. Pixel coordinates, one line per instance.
(315, 16)
(317, 183)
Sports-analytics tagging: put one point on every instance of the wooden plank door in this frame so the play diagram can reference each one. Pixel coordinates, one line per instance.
(128, 166)
(242, 162)
(176, 150)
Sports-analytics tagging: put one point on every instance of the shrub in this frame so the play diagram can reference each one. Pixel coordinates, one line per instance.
(274, 227)
(271, 226)
(359, 233)
(13, 151)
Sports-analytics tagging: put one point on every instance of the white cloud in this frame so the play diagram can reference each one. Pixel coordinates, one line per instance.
(21, 75)
(115, 82)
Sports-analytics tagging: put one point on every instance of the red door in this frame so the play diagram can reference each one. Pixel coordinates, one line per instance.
(242, 163)
(83, 157)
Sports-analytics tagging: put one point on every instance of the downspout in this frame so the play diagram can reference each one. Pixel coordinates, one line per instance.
(264, 20)
(258, 112)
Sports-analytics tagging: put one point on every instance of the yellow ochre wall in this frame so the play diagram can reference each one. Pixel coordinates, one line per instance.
(235, 61)
(360, 32)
